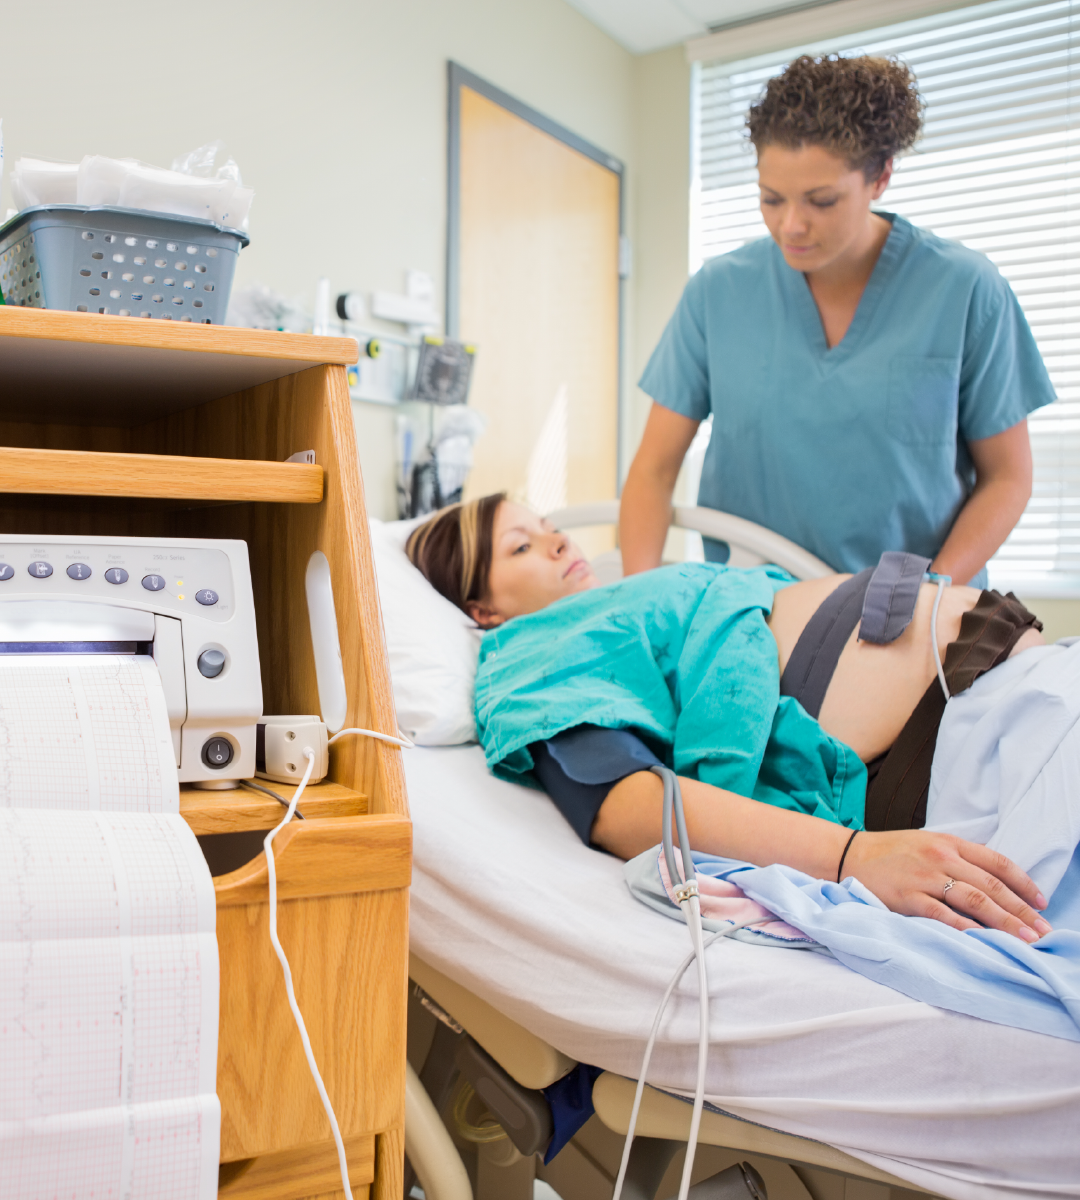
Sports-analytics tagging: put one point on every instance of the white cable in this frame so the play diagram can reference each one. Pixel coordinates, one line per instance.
(943, 582)
(649, 1045)
(271, 871)
(382, 737)
(692, 912)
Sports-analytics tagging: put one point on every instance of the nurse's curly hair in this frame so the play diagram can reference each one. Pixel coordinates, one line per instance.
(865, 109)
(453, 549)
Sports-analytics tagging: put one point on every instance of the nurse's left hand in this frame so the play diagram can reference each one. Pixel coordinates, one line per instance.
(950, 880)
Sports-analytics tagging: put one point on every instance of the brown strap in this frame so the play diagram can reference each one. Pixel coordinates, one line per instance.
(897, 797)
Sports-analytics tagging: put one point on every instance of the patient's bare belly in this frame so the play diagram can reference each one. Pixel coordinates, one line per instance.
(875, 688)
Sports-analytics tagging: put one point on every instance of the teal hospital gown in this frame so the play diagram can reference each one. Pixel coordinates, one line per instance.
(683, 657)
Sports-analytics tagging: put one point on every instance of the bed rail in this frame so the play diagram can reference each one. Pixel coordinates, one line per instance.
(755, 543)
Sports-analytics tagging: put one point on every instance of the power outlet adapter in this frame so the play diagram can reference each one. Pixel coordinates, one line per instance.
(280, 743)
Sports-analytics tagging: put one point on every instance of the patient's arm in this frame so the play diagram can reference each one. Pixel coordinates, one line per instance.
(907, 870)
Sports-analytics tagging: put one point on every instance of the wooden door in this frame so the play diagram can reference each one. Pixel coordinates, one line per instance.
(538, 293)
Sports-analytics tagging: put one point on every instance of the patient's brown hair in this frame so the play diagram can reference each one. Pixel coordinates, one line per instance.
(453, 549)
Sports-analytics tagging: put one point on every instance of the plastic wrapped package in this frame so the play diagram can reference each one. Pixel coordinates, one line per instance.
(153, 189)
(197, 186)
(36, 181)
(259, 307)
(435, 455)
(100, 180)
(459, 430)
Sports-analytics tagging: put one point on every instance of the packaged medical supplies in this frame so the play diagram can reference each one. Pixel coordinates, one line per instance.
(117, 236)
(196, 186)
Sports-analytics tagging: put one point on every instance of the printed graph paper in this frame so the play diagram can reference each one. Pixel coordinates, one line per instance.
(85, 731)
(108, 959)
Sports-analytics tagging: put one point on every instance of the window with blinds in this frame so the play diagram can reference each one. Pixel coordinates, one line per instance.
(998, 168)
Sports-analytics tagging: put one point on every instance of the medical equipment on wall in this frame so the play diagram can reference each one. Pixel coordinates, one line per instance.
(435, 455)
(186, 602)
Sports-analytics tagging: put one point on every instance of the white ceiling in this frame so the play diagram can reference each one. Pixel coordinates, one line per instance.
(644, 25)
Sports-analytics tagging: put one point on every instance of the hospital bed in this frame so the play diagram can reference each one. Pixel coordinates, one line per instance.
(900, 1095)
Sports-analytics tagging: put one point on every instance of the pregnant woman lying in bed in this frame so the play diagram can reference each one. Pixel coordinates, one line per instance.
(763, 693)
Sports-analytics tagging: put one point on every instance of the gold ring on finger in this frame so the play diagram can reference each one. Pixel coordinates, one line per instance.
(949, 884)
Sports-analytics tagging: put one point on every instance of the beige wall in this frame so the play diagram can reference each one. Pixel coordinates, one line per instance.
(660, 188)
(334, 109)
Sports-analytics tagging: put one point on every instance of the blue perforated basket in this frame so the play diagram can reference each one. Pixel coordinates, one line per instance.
(119, 260)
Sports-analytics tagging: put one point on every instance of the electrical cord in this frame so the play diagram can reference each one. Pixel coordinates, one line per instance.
(942, 581)
(271, 870)
(686, 892)
(258, 787)
(401, 740)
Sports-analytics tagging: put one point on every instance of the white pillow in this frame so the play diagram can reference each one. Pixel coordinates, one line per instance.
(433, 646)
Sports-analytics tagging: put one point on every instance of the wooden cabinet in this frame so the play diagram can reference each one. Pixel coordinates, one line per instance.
(125, 427)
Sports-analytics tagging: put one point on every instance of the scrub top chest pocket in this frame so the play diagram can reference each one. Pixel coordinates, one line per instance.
(923, 400)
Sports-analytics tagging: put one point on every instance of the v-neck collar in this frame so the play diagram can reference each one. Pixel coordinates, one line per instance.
(884, 270)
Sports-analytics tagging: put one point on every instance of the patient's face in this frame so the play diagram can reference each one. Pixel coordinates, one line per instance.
(532, 566)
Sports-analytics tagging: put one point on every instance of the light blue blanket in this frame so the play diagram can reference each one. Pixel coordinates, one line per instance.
(1006, 773)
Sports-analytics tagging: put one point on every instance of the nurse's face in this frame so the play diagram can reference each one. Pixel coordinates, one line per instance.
(532, 566)
(815, 206)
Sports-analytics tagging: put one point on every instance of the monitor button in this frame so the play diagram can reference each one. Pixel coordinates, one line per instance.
(211, 663)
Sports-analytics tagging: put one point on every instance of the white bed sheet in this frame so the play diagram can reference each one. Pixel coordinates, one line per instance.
(507, 902)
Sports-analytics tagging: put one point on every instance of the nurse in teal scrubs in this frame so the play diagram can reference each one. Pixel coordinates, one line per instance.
(868, 381)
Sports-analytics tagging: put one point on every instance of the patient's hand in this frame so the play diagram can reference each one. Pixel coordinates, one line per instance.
(908, 870)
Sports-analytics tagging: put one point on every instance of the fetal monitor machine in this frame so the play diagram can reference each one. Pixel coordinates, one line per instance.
(186, 602)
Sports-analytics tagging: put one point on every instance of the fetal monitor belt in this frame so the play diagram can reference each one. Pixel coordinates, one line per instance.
(880, 601)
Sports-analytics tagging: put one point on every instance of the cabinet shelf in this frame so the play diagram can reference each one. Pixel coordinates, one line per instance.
(161, 476)
(84, 368)
(237, 809)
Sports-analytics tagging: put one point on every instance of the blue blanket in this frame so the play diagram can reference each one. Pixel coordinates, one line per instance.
(1006, 773)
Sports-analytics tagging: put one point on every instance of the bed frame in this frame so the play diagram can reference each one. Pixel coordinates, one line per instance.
(664, 1121)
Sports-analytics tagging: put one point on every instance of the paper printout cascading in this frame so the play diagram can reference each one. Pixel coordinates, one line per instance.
(108, 956)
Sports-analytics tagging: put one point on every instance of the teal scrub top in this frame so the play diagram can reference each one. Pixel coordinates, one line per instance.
(862, 448)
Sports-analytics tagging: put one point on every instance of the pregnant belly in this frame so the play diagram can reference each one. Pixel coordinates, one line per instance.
(875, 688)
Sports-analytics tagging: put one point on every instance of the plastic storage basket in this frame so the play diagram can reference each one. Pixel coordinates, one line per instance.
(119, 260)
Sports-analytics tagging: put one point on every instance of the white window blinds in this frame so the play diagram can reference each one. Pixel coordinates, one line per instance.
(998, 168)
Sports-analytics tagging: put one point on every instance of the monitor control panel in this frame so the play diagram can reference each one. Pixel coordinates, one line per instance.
(161, 577)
